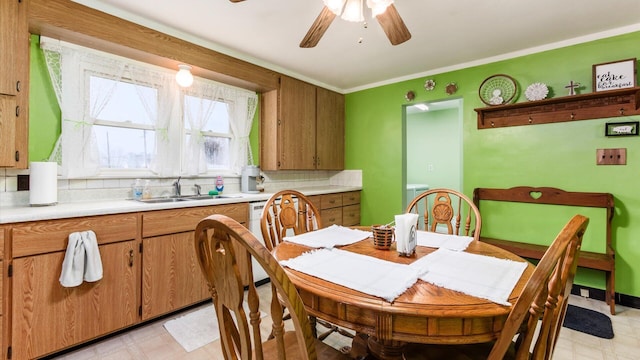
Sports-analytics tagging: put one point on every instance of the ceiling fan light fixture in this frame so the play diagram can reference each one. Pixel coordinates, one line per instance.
(353, 11)
(335, 6)
(378, 6)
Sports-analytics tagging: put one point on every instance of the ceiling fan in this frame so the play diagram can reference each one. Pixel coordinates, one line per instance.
(351, 10)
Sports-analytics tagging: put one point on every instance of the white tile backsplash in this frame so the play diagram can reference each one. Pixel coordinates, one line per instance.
(75, 190)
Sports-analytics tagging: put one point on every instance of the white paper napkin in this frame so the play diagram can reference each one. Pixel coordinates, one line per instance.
(481, 276)
(439, 240)
(334, 235)
(363, 273)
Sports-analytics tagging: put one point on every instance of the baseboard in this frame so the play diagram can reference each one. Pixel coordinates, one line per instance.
(599, 294)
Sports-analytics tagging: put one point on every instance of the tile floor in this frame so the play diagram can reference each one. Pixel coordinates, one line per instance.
(152, 341)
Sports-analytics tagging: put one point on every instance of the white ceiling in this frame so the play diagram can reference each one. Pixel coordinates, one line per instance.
(446, 35)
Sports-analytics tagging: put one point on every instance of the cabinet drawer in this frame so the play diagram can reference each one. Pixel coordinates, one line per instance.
(350, 198)
(351, 215)
(52, 235)
(164, 222)
(329, 201)
(316, 200)
(331, 216)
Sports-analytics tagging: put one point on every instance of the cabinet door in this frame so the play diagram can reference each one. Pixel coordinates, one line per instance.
(8, 40)
(171, 275)
(7, 130)
(329, 130)
(47, 317)
(297, 135)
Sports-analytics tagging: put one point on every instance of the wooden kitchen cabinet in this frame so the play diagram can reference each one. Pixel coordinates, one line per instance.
(338, 208)
(14, 89)
(47, 317)
(301, 128)
(171, 275)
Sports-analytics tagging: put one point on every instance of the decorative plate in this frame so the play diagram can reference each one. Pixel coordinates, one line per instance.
(410, 95)
(536, 91)
(497, 90)
(451, 88)
(429, 85)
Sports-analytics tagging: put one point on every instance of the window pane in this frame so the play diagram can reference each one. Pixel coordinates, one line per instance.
(122, 148)
(216, 150)
(122, 101)
(213, 114)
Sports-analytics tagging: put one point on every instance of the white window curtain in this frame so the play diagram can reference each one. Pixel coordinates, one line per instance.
(242, 110)
(76, 150)
(194, 156)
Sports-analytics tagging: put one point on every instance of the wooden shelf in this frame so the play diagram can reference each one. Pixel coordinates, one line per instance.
(598, 105)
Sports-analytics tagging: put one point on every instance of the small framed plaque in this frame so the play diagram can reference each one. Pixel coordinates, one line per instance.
(629, 128)
(614, 75)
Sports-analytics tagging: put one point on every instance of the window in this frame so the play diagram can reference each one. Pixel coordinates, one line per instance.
(119, 115)
(211, 119)
(124, 130)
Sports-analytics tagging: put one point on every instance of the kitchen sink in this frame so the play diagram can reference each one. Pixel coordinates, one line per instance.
(187, 198)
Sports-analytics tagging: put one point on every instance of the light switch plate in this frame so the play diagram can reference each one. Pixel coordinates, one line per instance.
(611, 156)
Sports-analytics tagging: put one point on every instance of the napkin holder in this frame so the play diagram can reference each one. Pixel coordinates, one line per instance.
(406, 234)
(383, 236)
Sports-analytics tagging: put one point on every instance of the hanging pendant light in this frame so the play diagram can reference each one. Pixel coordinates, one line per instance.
(184, 77)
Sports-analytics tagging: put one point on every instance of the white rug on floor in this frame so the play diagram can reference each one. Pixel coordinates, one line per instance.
(196, 329)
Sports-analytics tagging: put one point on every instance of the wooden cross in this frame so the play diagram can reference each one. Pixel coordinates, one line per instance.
(572, 86)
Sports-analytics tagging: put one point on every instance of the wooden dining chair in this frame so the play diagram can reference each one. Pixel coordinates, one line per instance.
(288, 213)
(225, 249)
(445, 211)
(545, 297)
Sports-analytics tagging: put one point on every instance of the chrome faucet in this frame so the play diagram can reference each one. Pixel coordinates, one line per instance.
(176, 186)
(198, 188)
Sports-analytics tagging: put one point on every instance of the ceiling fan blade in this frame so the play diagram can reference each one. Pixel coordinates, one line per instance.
(393, 26)
(318, 28)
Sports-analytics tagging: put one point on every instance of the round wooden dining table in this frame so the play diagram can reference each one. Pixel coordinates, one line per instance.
(425, 313)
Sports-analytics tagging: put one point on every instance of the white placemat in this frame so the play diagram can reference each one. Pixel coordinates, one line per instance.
(334, 235)
(439, 240)
(363, 273)
(482, 276)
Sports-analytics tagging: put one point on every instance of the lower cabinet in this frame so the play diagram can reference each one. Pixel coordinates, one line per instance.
(339, 208)
(47, 317)
(171, 275)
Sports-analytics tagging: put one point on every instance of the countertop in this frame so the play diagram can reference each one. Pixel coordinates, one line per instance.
(16, 214)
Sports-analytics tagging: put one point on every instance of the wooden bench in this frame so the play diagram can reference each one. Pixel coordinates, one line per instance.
(552, 196)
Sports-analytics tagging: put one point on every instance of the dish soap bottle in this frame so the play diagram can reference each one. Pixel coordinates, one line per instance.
(146, 191)
(137, 190)
(219, 184)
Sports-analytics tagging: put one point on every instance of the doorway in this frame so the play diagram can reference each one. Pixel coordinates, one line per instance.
(432, 152)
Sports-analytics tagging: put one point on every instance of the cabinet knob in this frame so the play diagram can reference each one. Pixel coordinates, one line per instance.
(130, 258)
(17, 111)
(18, 86)
(17, 156)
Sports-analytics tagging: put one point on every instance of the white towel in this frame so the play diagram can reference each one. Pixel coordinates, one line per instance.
(481, 276)
(438, 240)
(363, 273)
(334, 235)
(82, 260)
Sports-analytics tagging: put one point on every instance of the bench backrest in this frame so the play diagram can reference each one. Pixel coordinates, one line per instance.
(551, 196)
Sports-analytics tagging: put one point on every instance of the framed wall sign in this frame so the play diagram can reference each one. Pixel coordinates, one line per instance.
(614, 75)
(628, 128)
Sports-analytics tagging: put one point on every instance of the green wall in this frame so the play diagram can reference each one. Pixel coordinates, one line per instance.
(561, 155)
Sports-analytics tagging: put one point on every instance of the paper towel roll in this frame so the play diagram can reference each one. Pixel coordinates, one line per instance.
(43, 183)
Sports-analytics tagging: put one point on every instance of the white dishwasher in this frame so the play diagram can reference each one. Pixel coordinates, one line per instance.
(255, 212)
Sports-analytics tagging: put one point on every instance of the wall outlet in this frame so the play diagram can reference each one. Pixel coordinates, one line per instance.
(430, 167)
(584, 293)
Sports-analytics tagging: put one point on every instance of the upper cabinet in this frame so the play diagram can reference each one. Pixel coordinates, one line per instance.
(14, 57)
(302, 128)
